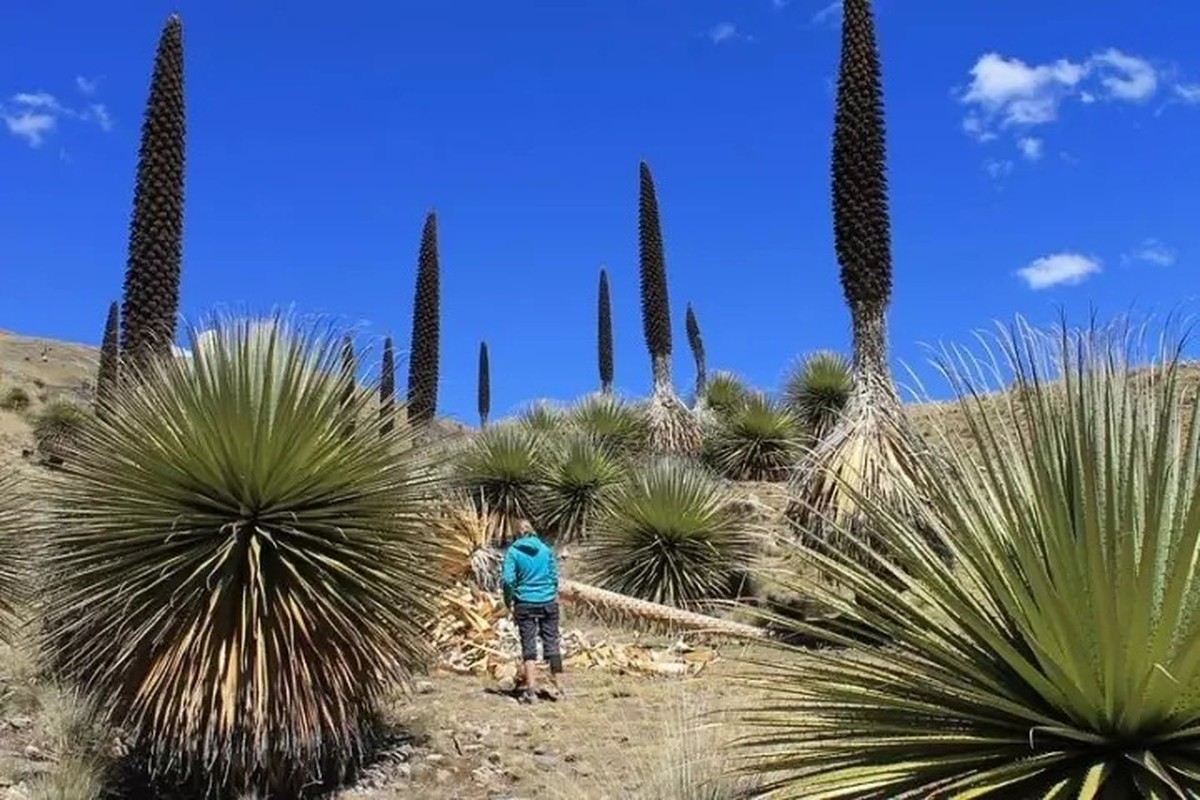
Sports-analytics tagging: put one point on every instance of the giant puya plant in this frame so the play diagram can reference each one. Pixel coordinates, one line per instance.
(235, 576)
(859, 459)
(673, 427)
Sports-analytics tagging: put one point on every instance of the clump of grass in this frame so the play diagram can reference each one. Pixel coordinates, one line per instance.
(15, 399)
(56, 428)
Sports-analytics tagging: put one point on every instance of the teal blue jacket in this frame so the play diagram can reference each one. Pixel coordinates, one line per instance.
(530, 573)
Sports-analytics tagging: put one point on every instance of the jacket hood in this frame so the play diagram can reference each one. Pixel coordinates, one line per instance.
(530, 545)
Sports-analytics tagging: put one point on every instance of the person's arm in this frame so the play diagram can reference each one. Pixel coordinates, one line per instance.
(554, 569)
(508, 576)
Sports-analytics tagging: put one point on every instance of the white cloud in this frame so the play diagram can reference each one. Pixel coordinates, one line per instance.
(99, 113)
(31, 126)
(1188, 92)
(998, 168)
(1059, 269)
(1009, 95)
(1125, 77)
(37, 100)
(87, 86)
(1151, 251)
(830, 12)
(33, 116)
(726, 32)
(1031, 148)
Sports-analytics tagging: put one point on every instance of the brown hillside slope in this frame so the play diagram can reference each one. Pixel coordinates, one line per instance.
(49, 370)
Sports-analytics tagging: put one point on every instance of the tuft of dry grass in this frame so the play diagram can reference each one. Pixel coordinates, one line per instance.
(65, 750)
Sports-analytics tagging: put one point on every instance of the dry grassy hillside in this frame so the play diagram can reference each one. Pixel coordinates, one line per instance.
(48, 370)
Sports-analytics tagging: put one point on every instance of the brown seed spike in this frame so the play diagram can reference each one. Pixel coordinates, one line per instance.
(862, 231)
(656, 309)
(151, 292)
(423, 356)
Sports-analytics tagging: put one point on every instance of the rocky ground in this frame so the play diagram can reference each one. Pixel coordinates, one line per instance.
(457, 737)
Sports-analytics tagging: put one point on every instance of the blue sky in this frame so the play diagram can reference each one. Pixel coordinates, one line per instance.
(1039, 159)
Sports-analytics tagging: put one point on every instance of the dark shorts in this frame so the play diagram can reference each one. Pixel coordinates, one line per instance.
(539, 621)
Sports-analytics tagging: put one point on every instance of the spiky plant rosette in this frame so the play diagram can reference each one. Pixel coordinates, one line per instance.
(234, 576)
(543, 417)
(670, 534)
(56, 427)
(611, 423)
(817, 391)
(503, 466)
(578, 481)
(724, 392)
(760, 441)
(1061, 658)
(15, 551)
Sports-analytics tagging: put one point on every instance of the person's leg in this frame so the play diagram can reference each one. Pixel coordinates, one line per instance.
(551, 648)
(527, 630)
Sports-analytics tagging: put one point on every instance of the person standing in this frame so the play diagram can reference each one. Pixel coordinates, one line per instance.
(530, 581)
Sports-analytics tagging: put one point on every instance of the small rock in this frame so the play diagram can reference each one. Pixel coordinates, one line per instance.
(424, 687)
(34, 754)
(443, 775)
(539, 750)
(546, 762)
(493, 757)
(19, 723)
(435, 758)
(404, 771)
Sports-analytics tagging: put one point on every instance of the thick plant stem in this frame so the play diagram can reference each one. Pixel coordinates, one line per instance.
(660, 366)
(618, 605)
(872, 378)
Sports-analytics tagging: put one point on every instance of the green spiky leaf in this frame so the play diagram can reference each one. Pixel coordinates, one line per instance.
(611, 423)
(818, 390)
(1061, 657)
(503, 466)
(759, 441)
(670, 535)
(577, 483)
(231, 574)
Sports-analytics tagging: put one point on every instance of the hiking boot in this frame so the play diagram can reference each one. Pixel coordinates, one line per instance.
(527, 697)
